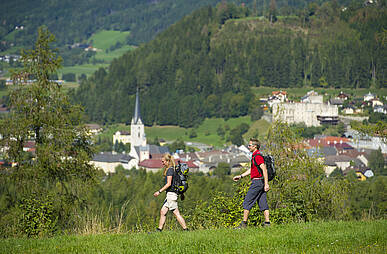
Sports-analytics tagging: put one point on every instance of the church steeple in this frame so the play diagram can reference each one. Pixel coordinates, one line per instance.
(137, 116)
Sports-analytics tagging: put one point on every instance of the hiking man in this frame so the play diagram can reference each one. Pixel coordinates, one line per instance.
(259, 185)
(170, 202)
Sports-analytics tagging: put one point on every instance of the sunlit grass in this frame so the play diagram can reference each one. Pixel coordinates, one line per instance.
(318, 237)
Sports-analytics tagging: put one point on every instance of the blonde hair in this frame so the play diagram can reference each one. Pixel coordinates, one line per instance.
(170, 162)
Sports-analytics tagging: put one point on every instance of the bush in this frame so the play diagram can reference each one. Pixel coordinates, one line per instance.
(38, 217)
(70, 77)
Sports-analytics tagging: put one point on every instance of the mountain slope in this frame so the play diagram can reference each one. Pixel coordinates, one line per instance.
(204, 65)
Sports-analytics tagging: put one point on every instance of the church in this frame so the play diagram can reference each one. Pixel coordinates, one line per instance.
(139, 149)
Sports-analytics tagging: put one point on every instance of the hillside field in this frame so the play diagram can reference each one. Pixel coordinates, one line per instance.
(317, 237)
(206, 132)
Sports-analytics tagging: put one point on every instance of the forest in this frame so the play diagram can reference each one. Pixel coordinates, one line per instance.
(75, 21)
(206, 64)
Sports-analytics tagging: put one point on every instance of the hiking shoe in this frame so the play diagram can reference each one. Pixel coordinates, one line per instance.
(156, 231)
(243, 224)
(266, 224)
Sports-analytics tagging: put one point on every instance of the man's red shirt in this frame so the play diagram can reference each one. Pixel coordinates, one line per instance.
(254, 172)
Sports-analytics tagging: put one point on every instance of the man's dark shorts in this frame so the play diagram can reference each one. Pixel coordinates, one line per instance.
(256, 192)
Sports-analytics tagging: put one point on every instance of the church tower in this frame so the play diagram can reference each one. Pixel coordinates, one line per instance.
(137, 133)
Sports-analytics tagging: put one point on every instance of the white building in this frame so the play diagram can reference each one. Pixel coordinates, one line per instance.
(312, 114)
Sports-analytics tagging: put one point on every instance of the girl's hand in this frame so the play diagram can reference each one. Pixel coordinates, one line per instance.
(156, 193)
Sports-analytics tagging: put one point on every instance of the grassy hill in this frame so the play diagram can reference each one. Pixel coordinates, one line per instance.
(206, 132)
(318, 237)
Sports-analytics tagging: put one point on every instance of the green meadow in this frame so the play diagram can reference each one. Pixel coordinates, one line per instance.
(105, 39)
(206, 132)
(86, 69)
(317, 237)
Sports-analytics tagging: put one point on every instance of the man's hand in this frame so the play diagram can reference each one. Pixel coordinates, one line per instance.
(236, 178)
(156, 193)
(266, 187)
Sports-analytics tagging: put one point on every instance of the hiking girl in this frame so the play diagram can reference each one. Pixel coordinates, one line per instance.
(170, 202)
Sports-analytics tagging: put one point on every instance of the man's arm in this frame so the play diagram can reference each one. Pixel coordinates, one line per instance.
(265, 176)
(236, 178)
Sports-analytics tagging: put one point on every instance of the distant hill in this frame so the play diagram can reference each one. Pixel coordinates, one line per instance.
(74, 21)
(204, 65)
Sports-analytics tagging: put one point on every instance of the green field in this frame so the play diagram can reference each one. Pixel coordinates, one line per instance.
(318, 237)
(105, 39)
(87, 69)
(206, 132)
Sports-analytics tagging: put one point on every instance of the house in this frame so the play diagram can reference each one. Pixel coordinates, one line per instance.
(343, 96)
(369, 96)
(322, 151)
(312, 97)
(380, 109)
(348, 110)
(376, 102)
(108, 161)
(336, 101)
(312, 114)
(93, 129)
(332, 162)
(281, 95)
(121, 137)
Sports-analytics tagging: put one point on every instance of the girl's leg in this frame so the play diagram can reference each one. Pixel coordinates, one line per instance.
(163, 213)
(179, 218)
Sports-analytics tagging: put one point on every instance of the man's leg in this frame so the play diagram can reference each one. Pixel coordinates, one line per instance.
(266, 215)
(163, 213)
(246, 215)
(180, 218)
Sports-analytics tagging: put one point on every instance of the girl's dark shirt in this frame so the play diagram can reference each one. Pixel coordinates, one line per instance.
(170, 172)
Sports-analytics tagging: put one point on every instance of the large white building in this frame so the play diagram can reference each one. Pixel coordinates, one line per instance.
(312, 114)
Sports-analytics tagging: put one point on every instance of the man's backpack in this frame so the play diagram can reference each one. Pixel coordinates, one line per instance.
(269, 162)
(181, 178)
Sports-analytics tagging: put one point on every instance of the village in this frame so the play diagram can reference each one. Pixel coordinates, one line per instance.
(349, 152)
(346, 153)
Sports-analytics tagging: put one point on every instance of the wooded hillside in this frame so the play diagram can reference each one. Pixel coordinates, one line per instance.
(205, 65)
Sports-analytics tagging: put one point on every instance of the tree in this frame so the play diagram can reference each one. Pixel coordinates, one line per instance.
(70, 77)
(223, 169)
(57, 175)
(376, 162)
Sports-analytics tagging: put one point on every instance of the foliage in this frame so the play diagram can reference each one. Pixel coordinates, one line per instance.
(377, 163)
(367, 198)
(222, 169)
(59, 167)
(39, 216)
(70, 77)
(378, 129)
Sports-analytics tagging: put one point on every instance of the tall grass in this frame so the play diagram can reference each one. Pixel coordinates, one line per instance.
(317, 237)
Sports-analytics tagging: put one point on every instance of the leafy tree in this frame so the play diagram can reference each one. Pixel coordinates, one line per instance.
(177, 145)
(376, 162)
(223, 169)
(336, 173)
(57, 175)
(220, 131)
(70, 77)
